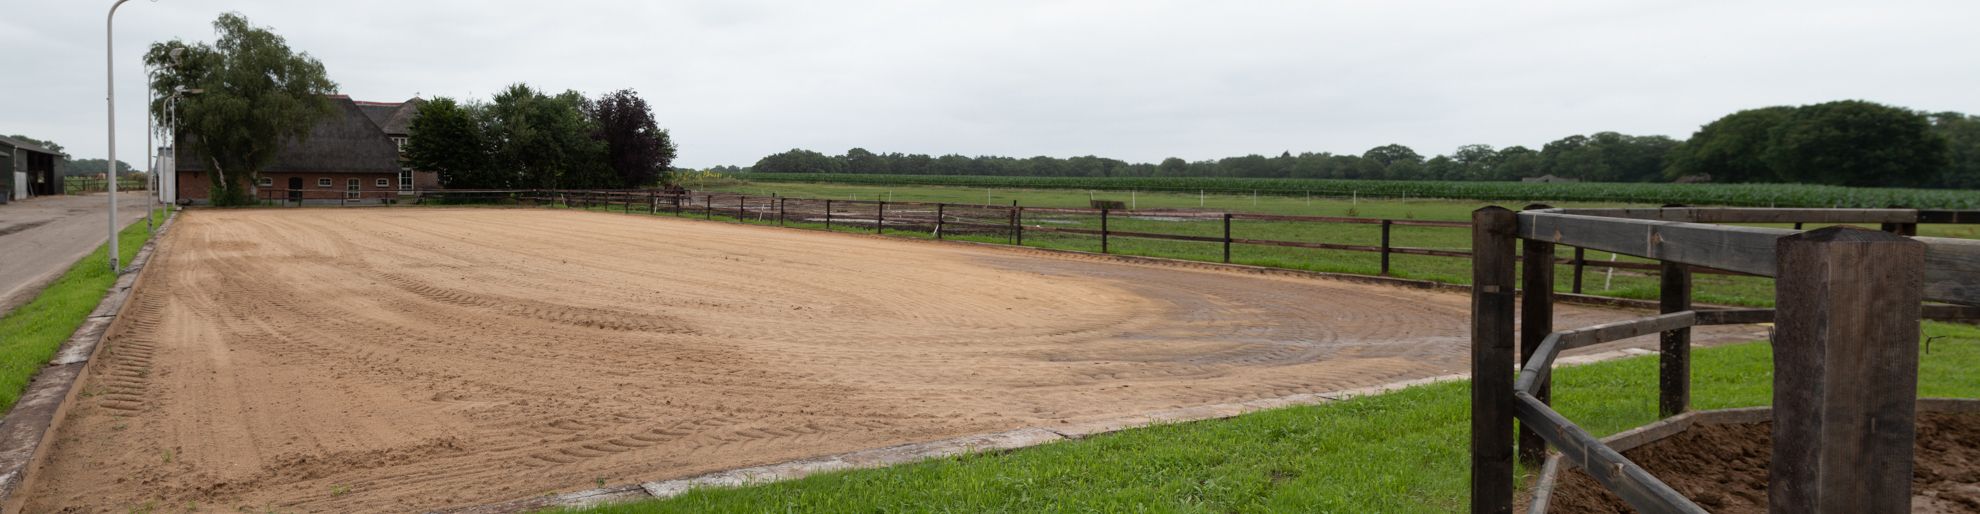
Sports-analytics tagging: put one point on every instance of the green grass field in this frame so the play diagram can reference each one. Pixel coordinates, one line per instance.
(1399, 452)
(1623, 283)
(31, 334)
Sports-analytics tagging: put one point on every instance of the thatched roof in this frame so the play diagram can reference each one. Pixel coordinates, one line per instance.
(395, 118)
(345, 141)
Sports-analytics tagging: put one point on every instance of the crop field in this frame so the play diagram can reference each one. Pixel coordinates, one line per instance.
(321, 360)
(1597, 280)
(1735, 195)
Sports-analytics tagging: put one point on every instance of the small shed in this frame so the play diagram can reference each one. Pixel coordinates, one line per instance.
(31, 169)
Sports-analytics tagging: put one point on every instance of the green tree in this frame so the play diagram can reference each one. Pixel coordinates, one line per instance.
(546, 141)
(259, 95)
(1856, 143)
(636, 149)
(1387, 155)
(448, 138)
(1173, 167)
(796, 160)
(95, 166)
(1962, 135)
(1729, 149)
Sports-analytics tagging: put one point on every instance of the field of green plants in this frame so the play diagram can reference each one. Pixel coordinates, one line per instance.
(1741, 195)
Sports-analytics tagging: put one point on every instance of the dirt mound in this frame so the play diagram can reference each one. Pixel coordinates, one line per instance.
(1724, 468)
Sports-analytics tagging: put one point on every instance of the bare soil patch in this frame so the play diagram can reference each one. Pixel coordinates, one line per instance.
(1723, 468)
(322, 360)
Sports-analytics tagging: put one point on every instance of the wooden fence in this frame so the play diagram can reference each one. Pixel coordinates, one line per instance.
(1846, 347)
(1013, 222)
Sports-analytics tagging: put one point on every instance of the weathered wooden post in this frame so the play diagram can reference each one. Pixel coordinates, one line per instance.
(828, 214)
(1227, 238)
(1103, 230)
(880, 219)
(1845, 371)
(1385, 247)
(1536, 320)
(1017, 222)
(938, 221)
(1493, 230)
(707, 207)
(742, 209)
(652, 202)
(1580, 258)
(1674, 346)
(780, 210)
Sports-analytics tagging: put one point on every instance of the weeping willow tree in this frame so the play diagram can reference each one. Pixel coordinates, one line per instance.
(255, 95)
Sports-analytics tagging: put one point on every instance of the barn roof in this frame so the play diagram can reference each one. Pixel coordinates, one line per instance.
(345, 141)
(395, 118)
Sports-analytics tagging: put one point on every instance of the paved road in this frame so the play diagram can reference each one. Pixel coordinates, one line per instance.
(41, 237)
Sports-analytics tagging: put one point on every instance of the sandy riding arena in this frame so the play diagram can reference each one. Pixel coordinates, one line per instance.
(367, 360)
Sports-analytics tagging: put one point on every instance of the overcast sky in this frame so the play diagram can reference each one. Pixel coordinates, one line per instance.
(1138, 80)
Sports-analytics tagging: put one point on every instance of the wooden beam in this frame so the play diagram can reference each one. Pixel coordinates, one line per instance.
(1674, 345)
(1536, 322)
(1493, 230)
(1620, 330)
(1744, 249)
(1734, 316)
(1608, 467)
(1846, 372)
(1754, 215)
(1952, 270)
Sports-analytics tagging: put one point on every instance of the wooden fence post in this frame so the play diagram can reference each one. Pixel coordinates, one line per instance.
(1385, 247)
(652, 203)
(880, 219)
(1227, 238)
(1017, 223)
(707, 207)
(1674, 346)
(828, 214)
(1536, 320)
(1580, 259)
(938, 221)
(1103, 230)
(1845, 371)
(780, 210)
(1493, 230)
(742, 209)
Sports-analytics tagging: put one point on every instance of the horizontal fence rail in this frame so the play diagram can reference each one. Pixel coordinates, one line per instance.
(1952, 266)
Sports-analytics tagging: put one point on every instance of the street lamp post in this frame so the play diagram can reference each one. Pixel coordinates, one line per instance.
(110, 99)
(150, 149)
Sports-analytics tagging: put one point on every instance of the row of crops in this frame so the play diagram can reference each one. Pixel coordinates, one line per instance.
(1742, 195)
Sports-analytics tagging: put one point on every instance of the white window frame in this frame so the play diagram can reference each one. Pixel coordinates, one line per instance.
(382, 183)
(405, 180)
(401, 141)
(352, 187)
(322, 181)
(266, 182)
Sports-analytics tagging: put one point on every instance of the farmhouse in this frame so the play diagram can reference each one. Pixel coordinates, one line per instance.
(353, 154)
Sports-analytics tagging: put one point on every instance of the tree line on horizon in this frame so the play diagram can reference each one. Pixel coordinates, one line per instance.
(1848, 143)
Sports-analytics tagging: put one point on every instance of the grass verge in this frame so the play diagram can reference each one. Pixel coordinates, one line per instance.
(1399, 452)
(31, 334)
